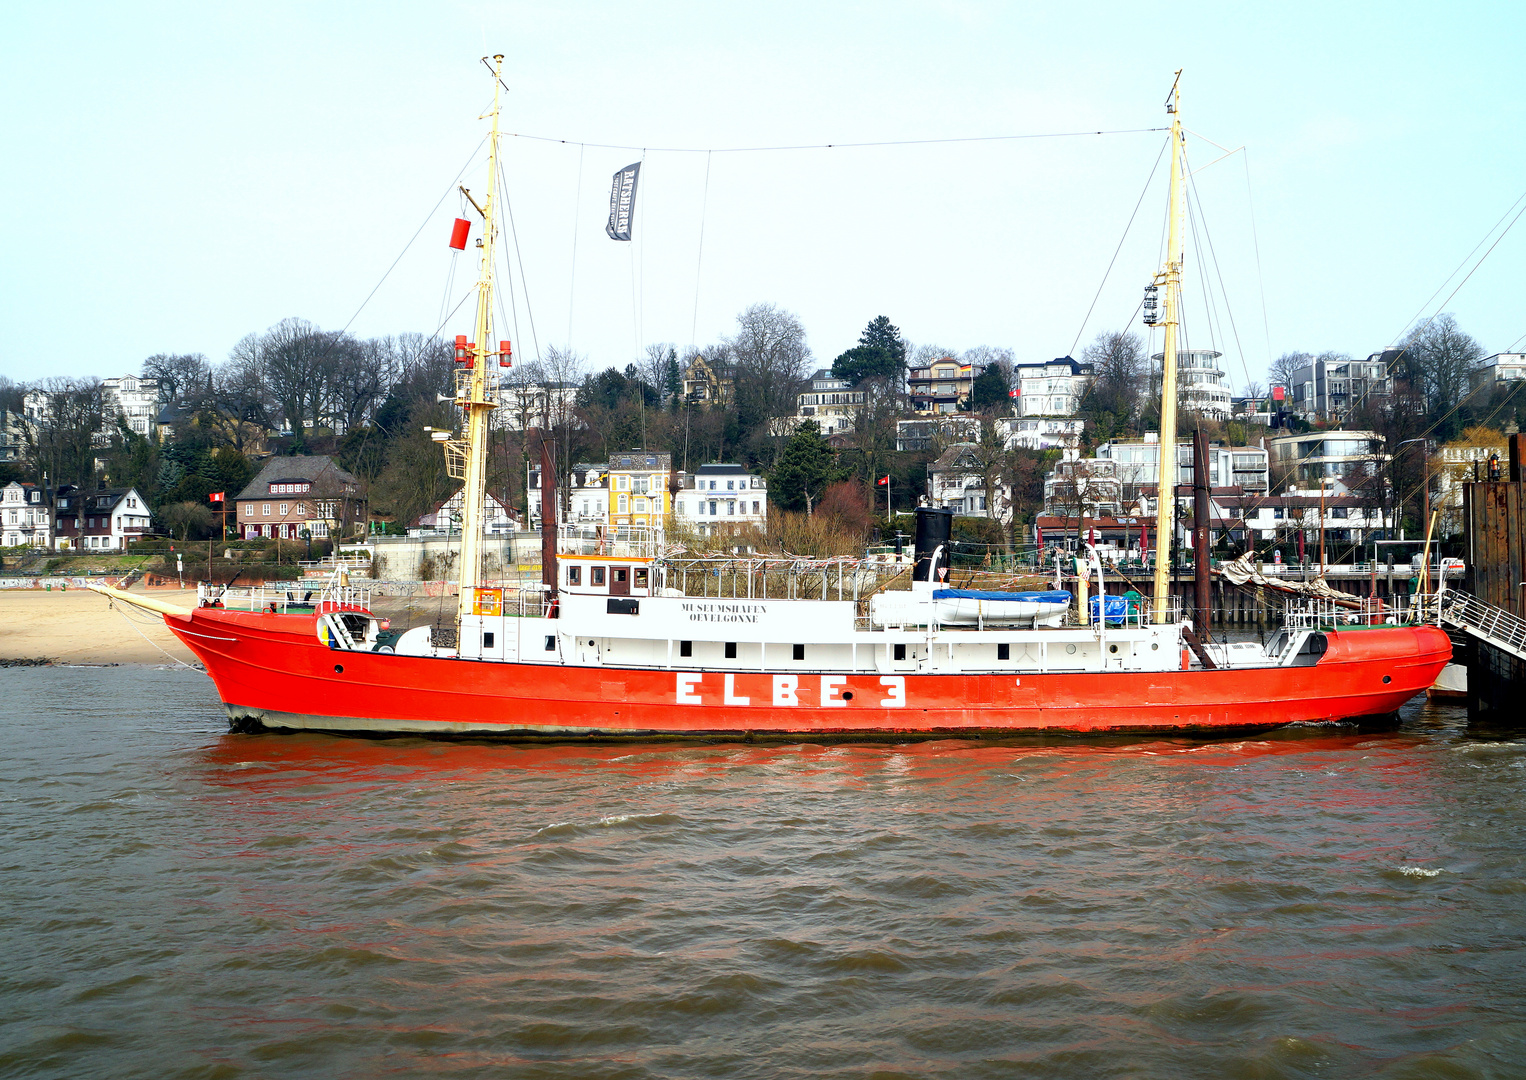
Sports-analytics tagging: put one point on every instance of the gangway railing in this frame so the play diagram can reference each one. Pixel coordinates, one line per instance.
(1484, 621)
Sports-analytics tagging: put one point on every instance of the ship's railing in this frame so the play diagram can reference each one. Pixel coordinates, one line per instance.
(618, 541)
(284, 597)
(530, 601)
(1312, 613)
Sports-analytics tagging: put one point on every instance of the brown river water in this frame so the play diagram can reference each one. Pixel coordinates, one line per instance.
(176, 901)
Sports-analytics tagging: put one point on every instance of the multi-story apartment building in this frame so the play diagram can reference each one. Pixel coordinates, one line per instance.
(1200, 383)
(1052, 388)
(26, 520)
(941, 386)
(132, 397)
(1342, 460)
(935, 432)
(534, 405)
(1138, 466)
(1041, 433)
(831, 402)
(136, 399)
(1499, 370)
(1331, 389)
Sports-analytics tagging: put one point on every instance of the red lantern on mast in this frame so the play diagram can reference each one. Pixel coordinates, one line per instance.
(465, 352)
(505, 351)
(458, 233)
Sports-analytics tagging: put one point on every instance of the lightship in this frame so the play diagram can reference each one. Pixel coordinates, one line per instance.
(612, 645)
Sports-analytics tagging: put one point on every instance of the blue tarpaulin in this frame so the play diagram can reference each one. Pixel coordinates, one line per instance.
(1118, 609)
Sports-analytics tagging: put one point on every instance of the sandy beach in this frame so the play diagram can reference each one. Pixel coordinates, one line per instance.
(82, 627)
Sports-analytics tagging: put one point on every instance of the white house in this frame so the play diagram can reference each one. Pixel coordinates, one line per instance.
(1041, 432)
(100, 520)
(1052, 388)
(831, 402)
(957, 482)
(724, 498)
(446, 517)
(25, 519)
(136, 398)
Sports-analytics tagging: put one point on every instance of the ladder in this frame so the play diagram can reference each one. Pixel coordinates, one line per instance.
(1487, 623)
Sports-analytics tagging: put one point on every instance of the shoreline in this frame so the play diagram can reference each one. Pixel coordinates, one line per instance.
(80, 627)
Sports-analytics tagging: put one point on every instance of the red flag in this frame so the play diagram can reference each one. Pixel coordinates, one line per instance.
(1016, 391)
(216, 496)
(882, 481)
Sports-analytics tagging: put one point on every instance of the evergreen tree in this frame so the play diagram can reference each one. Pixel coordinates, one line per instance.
(807, 467)
(880, 334)
(989, 390)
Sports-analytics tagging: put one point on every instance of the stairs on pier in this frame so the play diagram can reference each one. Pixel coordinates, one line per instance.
(1483, 621)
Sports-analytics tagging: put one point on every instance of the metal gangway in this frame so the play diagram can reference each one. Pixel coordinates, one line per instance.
(1484, 621)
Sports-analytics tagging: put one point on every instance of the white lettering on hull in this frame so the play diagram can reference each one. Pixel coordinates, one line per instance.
(786, 691)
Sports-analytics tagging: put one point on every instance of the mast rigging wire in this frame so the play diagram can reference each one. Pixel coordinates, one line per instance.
(1103, 283)
(519, 257)
(699, 259)
(415, 236)
(828, 146)
(572, 278)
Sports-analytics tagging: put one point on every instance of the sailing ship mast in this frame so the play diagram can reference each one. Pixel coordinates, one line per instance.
(477, 383)
(1171, 277)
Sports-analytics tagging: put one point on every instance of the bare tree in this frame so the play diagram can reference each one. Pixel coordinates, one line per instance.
(178, 374)
(1285, 367)
(70, 426)
(1438, 357)
(1117, 360)
(771, 360)
(356, 377)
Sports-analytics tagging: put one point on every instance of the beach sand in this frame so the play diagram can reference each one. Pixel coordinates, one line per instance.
(82, 627)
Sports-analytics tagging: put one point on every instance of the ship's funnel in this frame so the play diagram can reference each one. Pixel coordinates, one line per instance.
(934, 527)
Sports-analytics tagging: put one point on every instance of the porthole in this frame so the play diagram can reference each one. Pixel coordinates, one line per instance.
(1070, 648)
(1388, 678)
(1112, 648)
(338, 669)
(1154, 645)
(847, 695)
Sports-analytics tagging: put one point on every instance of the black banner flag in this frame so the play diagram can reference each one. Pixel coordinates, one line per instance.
(622, 202)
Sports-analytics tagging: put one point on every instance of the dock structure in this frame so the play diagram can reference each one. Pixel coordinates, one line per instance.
(1494, 512)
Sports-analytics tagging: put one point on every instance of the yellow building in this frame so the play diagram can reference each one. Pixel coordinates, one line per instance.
(638, 487)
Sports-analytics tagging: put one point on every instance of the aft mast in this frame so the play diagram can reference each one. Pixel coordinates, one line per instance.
(1171, 277)
(477, 382)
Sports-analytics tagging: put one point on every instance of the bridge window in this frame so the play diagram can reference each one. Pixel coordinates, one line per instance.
(731, 650)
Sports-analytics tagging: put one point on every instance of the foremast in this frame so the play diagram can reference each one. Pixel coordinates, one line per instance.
(1170, 277)
(477, 382)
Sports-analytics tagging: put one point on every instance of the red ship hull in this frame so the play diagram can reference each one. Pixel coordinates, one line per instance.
(272, 671)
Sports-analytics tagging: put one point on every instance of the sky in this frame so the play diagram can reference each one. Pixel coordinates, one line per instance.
(176, 176)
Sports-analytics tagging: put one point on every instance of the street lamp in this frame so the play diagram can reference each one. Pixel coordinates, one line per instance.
(307, 534)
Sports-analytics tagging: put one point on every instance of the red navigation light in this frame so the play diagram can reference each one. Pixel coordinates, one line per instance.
(505, 351)
(459, 232)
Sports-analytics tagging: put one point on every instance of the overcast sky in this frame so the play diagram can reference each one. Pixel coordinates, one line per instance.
(177, 176)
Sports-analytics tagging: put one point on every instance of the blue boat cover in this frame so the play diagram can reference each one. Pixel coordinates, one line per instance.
(1053, 596)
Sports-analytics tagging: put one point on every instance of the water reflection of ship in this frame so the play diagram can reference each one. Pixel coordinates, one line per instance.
(619, 642)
